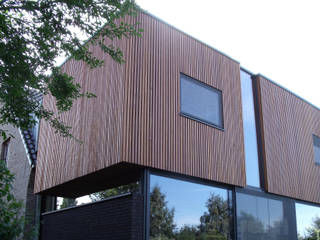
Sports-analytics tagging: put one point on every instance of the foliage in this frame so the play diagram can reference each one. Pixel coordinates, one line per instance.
(161, 217)
(187, 233)
(34, 33)
(313, 231)
(214, 223)
(216, 220)
(68, 202)
(114, 192)
(250, 225)
(11, 222)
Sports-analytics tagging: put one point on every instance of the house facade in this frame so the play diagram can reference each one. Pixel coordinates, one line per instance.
(19, 153)
(216, 152)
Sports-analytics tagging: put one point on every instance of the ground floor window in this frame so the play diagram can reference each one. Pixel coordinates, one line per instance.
(262, 218)
(184, 210)
(308, 221)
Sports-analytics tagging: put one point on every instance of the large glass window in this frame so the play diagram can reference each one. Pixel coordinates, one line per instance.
(308, 221)
(260, 218)
(201, 101)
(183, 210)
(250, 134)
(316, 149)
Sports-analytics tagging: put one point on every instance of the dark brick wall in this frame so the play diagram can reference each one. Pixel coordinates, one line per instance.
(118, 218)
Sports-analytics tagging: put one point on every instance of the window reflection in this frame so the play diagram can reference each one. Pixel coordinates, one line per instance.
(201, 101)
(182, 210)
(249, 128)
(260, 218)
(308, 222)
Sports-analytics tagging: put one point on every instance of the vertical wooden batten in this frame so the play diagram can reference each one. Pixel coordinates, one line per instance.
(136, 116)
(288, 125)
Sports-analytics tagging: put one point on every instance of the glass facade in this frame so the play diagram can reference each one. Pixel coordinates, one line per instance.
(201, 101)
(308, 222)
(250, 134)
(260, 218)
(183, 210)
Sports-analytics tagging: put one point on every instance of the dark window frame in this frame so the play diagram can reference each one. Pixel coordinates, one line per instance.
(316, 143)
(5, 151)
(288, 203)
(193, 117)
(191, 179)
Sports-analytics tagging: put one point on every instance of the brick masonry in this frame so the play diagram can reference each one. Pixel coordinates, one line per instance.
(118, 218)
(18, 164)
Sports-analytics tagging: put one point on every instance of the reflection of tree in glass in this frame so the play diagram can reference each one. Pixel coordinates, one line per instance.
(187, 233)
(312, 232)
(278, 230)
(161, 217)
(250, 227)
(215, 223)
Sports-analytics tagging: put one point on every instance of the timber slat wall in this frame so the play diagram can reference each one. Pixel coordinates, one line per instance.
(288, 125)
(136, 116)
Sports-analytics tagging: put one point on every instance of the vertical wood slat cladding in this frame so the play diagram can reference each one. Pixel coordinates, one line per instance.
(288, 125)
(136, 118)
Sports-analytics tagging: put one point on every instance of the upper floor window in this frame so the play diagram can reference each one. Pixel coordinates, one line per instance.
(250, 132)
(316, 149)
(4, 150)
(201, 101)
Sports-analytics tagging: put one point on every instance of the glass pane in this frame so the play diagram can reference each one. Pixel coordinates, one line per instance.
(250, 135)
(201, 101)
(260, 218)
(308, 222)
(316, 148)
(182, 210)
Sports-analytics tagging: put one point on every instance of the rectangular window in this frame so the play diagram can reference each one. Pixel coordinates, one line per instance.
(201, 101)
(308, 221)
(261, 218)
(187, 210)
(4, 150)
(316, 149)
(250, 132)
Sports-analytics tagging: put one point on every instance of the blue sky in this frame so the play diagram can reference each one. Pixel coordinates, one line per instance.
(188, 199)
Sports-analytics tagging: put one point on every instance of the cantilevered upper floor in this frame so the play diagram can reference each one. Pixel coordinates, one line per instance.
(176, 105)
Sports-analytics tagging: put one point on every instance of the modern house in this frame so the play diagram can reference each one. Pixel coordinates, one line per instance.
(217, 152)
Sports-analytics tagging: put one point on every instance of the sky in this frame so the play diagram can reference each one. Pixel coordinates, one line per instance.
(279, 39)
(186, 198)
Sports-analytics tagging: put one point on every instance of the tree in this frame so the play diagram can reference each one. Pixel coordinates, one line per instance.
(187, 233)
(161, 217)
(250, 226)
(11, 222)
(68, 202)
(114, 192)
(34, 33)
(215, 223)
(314, 231)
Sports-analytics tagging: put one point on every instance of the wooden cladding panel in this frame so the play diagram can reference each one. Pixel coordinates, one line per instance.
(136, 118)
(288, 125)
(158, 136)
(96, 122)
